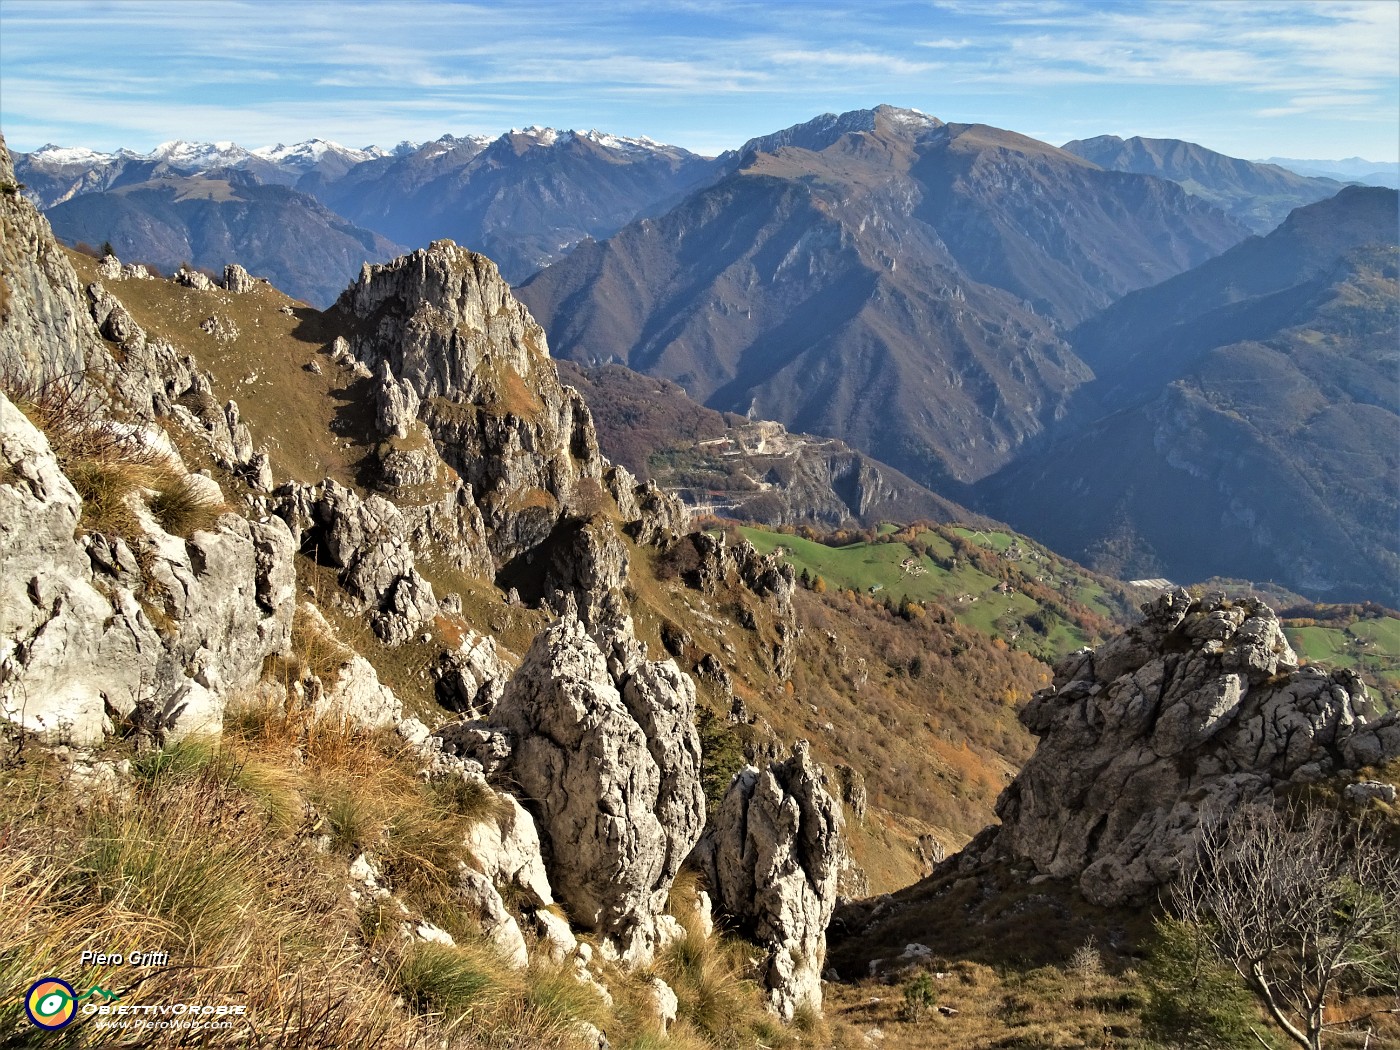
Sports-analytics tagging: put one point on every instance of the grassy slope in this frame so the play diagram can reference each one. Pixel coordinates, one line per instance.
(317, 425)
(233, 856)
(1370, 647)
(965, 586)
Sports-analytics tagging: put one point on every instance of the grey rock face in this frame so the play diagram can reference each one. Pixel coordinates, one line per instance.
(238, 280)
(77, 649)
(50, 612)
(44, 331)
(1201, 705)
(773, 857)
(396, 404)
(506, 849)
(446, 324)
(374, 544)
(611, 762)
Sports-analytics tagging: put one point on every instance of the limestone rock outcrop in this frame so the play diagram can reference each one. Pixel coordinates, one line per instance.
(200, 282)
(472, 677)
(396, 403)
(773, 857)
(80, 652)
(609, 761)
(1200, 706)
(238, 280)
(158, 383)
(354, 694)
(375, 543)
(445, 324)
(44, 330)
(767, 577)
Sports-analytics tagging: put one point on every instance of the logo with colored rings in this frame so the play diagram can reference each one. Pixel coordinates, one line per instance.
(51, 1003)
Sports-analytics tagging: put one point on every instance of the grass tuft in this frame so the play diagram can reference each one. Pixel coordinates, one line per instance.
(180, 505)
(451, 982)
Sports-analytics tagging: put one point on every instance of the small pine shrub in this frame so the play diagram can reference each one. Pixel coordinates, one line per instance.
(1193, 1001)
(1086, 963)
(919, 997)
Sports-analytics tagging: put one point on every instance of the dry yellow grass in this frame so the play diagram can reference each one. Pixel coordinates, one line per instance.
(317, 425)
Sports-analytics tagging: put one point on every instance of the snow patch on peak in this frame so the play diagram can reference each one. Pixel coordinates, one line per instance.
(908, 117)
(622, 144)
(178, 151)
(542, 136)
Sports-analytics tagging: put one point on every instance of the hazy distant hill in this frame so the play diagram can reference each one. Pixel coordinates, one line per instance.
(223, 217)
(881, 277)
(1244, 419)
(1352, 169)
(1258, 195)
(524, 198)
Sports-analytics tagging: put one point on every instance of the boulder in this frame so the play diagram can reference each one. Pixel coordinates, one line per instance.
(506, 849)
(470, 678)
(194, 279)
(478, 893)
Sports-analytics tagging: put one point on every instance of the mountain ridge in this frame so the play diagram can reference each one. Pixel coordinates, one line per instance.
(1260, 195)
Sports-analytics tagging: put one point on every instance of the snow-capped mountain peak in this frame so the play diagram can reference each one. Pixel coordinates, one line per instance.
(198, 154)
(309, 153)
(49, 153)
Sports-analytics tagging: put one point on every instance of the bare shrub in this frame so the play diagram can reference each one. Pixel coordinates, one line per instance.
(1304, 904)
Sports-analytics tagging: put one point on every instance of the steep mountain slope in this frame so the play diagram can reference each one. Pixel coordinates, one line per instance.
(752, 470)
(222, 217)
(1259, 195)
(524, 199)
(1244, 419)
(898, 285)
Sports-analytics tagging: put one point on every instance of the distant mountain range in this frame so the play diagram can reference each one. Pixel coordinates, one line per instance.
(1258, 195)
(1352, 169)
(222, 216)
(524, 198)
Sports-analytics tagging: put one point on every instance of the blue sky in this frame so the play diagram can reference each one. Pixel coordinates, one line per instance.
(1251, 78)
